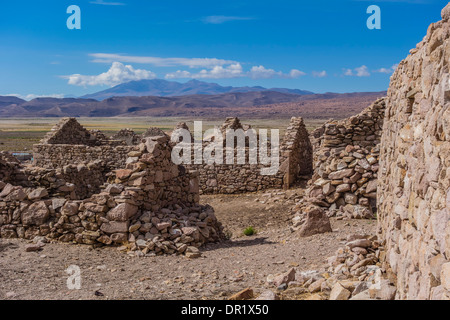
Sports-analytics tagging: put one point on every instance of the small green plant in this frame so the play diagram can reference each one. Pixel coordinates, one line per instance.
(249, 231)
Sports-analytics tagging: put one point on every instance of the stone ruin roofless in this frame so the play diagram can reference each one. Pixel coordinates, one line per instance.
(70, 143)
(86, 188)
(103, 192)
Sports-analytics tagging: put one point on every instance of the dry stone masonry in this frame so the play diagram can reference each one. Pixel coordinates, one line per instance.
(149, 205)
(295, 160)
(414, 175)
(346, 166)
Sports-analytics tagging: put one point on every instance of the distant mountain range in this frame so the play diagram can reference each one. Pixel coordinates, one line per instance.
(245, 104)
(164, 88)
(8, 100)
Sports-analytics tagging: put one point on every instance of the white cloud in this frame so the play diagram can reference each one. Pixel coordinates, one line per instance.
(32, 96)
(362, 71)
(105, 3)
(161, 62)
(262, 73)
(223, 19)
(319, 74)
(296, 73)
(387, 70)
(235, 71)
(348, 72)
(218, 72)
(259, 72)
(117, 74)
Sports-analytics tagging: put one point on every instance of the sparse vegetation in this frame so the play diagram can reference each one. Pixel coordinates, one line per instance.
(250, 231)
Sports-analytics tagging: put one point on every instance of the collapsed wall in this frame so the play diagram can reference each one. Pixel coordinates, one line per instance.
(150, 205)
(414, 175)
(346, 163)
(295, 159)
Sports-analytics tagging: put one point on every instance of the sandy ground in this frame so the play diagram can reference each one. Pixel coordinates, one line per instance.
(223, 269)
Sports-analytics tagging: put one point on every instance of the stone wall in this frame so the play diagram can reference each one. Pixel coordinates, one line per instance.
(295, 159)
(346, 166)
(414, 181)
(69, 143)
(69, 131)
(105, 193)
(59, 155)
(8, 166)
(151, 206)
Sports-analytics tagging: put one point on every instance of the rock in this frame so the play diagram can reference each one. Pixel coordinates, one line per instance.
(285, 278)
(316, 222)
(445, 273)
(141, 244)
(114, 188)
(245, 294)
(123, 174)
(58, 203)
(119, 237)
(37, 194)
(7, 189)
(114, 227)
(40, 240)
(362, 243)
(343, 188)
(339, 292)
(192, 253)
(70, 209)
(315, 296)
(105, 240)
(360, 287)
(163, 225)
(282, 287)
(371, 186)
(364, 295)
(33, 247)
(350, 198)
(268, 295)
(122, 212)
(134, 227)
(338, 175)
(445, 13)
(36, 214)
(316, 286)
(382, 290)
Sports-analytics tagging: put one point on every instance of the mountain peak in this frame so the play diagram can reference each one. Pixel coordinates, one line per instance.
(165, 88)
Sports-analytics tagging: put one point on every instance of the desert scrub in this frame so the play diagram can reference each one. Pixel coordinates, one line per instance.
(249, 231)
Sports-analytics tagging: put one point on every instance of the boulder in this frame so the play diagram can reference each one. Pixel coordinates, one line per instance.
(316, 222)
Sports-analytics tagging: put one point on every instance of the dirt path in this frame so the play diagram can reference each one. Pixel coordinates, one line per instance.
(222, 270)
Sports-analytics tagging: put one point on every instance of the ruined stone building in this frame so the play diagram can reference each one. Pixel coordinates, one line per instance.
(91, 189)
(101, 191)
(295, 160)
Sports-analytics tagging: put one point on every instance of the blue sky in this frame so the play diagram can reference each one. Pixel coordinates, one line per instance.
(321, 46)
